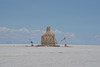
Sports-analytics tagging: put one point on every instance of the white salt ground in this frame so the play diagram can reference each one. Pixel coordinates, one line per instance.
(14, 55)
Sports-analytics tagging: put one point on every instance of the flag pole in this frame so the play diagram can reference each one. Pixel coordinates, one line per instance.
(65, 42)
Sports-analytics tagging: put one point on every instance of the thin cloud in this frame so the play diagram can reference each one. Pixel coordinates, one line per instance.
(24, 30)
(4, 29)
(17, 36)
(58, 32)
(70, 34)
(98, 37)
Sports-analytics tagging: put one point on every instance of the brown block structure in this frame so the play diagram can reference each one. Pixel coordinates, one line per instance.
(48, 39)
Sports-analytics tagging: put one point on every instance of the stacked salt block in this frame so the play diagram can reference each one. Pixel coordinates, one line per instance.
(48, 39)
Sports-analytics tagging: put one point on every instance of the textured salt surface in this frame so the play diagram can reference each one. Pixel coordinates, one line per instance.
(75, 56)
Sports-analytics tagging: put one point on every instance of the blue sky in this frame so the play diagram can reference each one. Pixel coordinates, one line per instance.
(78, 20)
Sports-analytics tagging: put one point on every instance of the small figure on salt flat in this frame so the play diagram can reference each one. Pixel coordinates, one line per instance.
(31, 42)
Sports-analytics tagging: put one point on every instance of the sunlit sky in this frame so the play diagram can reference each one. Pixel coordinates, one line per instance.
(77, 20)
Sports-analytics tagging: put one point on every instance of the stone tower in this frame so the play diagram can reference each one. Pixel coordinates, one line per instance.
(48, 39)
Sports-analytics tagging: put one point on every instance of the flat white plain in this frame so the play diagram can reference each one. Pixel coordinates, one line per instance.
(17, 55)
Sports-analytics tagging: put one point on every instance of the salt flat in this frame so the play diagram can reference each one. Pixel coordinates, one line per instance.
(17, 55)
